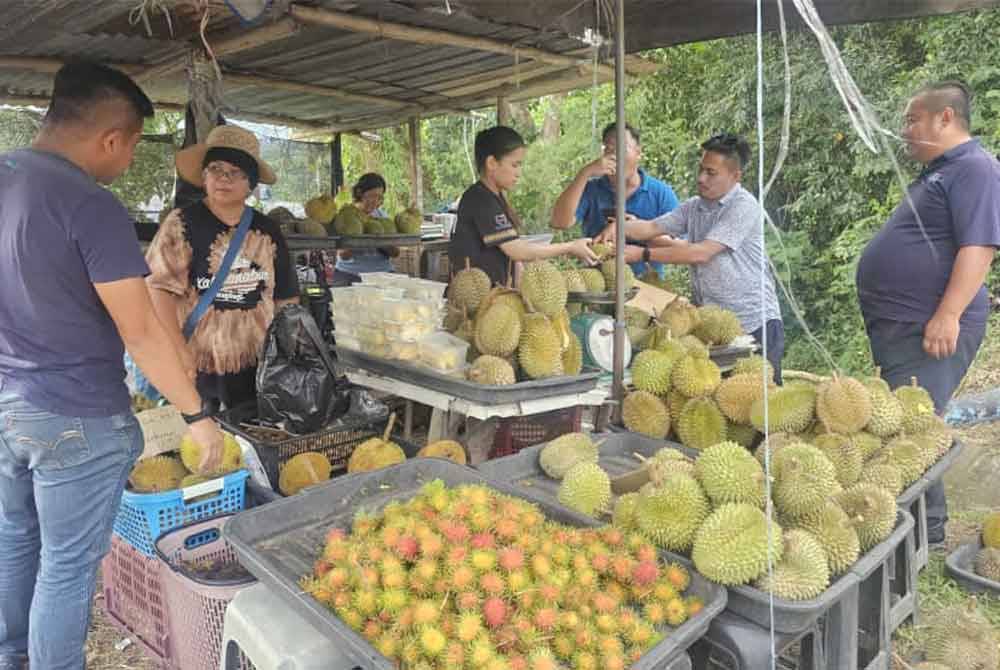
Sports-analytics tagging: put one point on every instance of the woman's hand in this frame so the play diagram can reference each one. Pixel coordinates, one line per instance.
(581, 249)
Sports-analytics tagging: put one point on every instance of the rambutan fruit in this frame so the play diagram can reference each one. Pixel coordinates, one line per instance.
(431, 545)
(425, 612)
(321, 567)
(645, 552)
(482, 560)
(676, 612)
(463, 577)
(549, 593)
(476, 494)
(526, 599)
(405, 619)
(393, 600)
(612, 536)
(517, 662)
(694, 605)
(467, 601)
(655, 613)
(585, 660)
(568, 620)
(645, 573)
(366, 602)
(426, 569)
(480, 519)
(546, 618)
(484, 540)
(470, 625)
(456, 554)
(506, 528)
(613, 661)
(480, 652)
(604, 603)
(407, 548)
(511, 559)
(495, 612)
(531, 518)
(581, 562)
(547, 547)
(621, 567)
(639, 634)
(420, 586)
(388, 645)
(542, 659)
(634, 654)
(609, 645)
(562, 555)
(342, 599)
(541, 566)
(606, 623)
(498, 663)
(410, 653)
(371, 630)
(616, 591)
(518, 581)
(337, 578)
(453, 531)
(363, 525)
(454, 655)
(678, 576)
(664, 591)
(563, 645)
(587, 579)
(432, 641)
(492, 584)
(586, 637)
(353, 618)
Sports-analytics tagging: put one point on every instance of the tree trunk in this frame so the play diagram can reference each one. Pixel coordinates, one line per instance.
(551, 125)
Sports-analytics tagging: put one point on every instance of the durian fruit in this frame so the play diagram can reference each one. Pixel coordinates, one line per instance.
(194, 480)
(375, 453)
(991, 530)
(539, 350)
(447, 449)
(730, 474)
(510, 298)
(938, 439)
(468, 288)
(574, 281)
(906, 455)
(789, 410)
(731, 547)
(845, 456)
(694, 345)
(961, 638)
(736, 395)
(651, 371)
(872, 510)
(602, 251)
(802, 573)
(594, 280)
(643, 412)
(608, 270)
(843, 405)
(666, 461)
(191, 455)
(753, 365)
(156, 474)
(717, 326)
(498, 330)
(572, 357)
(670, 513)
(409, 221)
(492, 371)
(830, 525)
(741, 434)
(623, 515)
(776, 442)
(585, 488)
(558, 456)
(661, 339)
(696, 375)
(680, 317)
(887, 411)
(803, 479)
(867, 443)
(350, 221)
(303, 470)
(928, 665)
(918, 407)
(636, 325)
(701, 424)
(675, 404)
(310, 228)
(883, 474)
(987, 563)
(543, 288)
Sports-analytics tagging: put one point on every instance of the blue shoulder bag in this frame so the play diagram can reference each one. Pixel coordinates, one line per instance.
(142, 385)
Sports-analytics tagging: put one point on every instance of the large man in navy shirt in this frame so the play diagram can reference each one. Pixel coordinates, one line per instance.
(591, 194)
(921, 278)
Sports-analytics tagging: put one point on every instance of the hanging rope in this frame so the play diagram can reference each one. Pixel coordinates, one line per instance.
(141, 12)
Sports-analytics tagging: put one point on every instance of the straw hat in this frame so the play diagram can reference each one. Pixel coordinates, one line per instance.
(189, 161)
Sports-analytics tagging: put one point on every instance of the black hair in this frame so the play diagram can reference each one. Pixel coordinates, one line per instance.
(733, 147)
(952, 93)
(613, 126)
(497, 141)
(82, 85)
(367, 182)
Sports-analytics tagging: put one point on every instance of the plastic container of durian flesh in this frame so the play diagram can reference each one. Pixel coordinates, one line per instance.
(404, 309)
(279, 542)
(401, 349)
(960, 566)
(409, 331)
(443, 352)
(425, 289)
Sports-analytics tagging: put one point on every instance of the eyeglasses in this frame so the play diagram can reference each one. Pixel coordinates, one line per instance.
(219, 172)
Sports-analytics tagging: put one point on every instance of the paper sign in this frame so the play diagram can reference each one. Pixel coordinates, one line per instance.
(162, 428)
(651, 299)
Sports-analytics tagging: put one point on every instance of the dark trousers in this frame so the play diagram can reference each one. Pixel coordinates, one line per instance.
(342, 279)
(775, 344)
(898, 349)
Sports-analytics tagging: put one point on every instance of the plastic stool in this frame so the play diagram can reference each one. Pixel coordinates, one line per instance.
(273, 637)
(735, 643)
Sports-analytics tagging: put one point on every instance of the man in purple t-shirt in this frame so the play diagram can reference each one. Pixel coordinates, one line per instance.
(921, 278)
(72, 299)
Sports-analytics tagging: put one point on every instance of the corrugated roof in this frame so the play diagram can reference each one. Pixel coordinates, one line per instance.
(369, 80)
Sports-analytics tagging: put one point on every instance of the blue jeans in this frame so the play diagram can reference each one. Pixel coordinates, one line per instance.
(61, 480)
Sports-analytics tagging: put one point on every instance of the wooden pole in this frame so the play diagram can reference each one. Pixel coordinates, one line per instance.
(503, 111)
(416, 172)
(311, 89)
(618, 379)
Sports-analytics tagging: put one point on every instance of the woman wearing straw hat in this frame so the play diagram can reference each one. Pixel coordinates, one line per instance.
(224, 332)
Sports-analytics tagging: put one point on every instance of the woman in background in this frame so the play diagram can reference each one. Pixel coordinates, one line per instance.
(369, 194)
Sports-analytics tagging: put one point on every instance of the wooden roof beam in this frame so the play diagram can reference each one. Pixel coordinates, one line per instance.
(32, 100)
(430, 36)
(271, 32)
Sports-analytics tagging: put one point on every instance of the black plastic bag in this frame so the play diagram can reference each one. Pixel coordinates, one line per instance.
(297, 383)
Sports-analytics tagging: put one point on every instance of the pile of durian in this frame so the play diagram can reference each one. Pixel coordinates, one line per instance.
(351, 221)
(987, 561)
(599, 279)
(694, 327)
(170, 471)
(514, 335)
(961, 638)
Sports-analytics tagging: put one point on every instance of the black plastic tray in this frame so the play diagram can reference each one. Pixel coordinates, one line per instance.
(933, 474)
(617, 457)
(600, 298)
(727, 355)
(461, 388)
(298, 242)
(376, 241)
(959, 566)
(279, 543)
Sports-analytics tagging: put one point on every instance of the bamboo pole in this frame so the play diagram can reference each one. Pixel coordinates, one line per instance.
(618, 375)
(311, 89)
(416, 172)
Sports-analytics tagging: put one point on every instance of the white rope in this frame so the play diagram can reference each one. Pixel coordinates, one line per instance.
(763, 313)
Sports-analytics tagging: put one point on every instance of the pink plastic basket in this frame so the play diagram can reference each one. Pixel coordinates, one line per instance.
(133, 598)
(196, 600)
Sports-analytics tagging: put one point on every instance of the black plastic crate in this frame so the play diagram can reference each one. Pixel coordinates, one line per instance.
(959, 566)
(275, 447)
(279, 544)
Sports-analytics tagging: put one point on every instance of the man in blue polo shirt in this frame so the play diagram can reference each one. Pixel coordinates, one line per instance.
(590, 197)
(921, 278)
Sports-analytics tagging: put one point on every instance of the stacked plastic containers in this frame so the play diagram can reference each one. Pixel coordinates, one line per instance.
(397, 317)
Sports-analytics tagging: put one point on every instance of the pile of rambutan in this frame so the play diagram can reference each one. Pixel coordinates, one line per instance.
(465, 577)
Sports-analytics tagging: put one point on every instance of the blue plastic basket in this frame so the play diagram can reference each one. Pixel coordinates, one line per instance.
(144, 517)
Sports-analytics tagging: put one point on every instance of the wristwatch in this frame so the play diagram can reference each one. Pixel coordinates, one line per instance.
(645, 254)
(207, 412)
